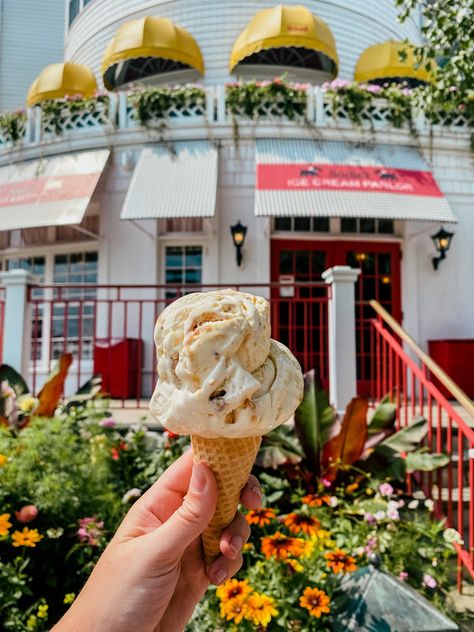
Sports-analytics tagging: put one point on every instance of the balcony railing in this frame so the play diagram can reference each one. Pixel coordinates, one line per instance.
(117, 112)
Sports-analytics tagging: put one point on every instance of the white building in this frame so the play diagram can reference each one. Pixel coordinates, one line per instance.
(128, 226)
(31, 36)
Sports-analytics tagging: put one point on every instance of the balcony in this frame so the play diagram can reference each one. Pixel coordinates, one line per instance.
(232, 111)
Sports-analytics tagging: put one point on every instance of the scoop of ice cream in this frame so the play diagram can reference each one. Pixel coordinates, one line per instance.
(219, 372)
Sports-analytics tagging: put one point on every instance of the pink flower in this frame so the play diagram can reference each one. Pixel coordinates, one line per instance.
(26, 514)
(402, 576)
(325, 482)
(429, 581)
(90, 529)
(386, 489)
(108, 422)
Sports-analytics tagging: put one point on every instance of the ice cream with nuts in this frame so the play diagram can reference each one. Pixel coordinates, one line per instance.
(225, 382)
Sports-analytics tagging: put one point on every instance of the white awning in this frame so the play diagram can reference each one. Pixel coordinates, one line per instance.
(179, 181)
(302, 178)
(51, 191)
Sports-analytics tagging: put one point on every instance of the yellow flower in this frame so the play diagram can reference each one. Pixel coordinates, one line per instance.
(300, 523)
(31, 622)
(315, 601)
(234, 609)
(3, 460)
(260, 609)
(42, 611)
(339, 561)
(232, 589)
(295, 565)
(248, 546)
(27, 404)
(4, 524)
(322, 539)
(69, 598)
(27, 537)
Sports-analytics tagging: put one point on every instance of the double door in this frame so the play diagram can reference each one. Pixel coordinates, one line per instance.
(301, 322)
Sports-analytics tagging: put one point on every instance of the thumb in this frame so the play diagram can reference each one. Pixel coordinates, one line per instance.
(192, 517)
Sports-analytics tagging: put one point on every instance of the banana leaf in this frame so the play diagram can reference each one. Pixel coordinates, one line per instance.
(52, 391)
(14, 379)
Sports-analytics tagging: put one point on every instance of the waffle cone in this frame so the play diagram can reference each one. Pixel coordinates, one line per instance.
(231, 460)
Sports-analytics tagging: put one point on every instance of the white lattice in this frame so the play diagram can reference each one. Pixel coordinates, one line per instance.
(6, 139)
(273, 109)
(189, 111)
(374, 114)
(73, 121)
(455, 118)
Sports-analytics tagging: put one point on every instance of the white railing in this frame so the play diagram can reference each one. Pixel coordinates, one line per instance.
(118, 113)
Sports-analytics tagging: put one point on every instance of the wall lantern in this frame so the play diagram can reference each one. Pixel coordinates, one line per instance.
(442, 241)
(238, 231)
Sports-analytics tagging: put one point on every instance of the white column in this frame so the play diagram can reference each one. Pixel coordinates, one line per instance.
(17, 319)
(342, 335)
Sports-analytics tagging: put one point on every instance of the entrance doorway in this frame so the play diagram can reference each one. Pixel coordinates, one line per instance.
(303, 261)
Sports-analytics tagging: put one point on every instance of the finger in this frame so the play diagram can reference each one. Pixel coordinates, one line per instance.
(234, 537)
(223, 569)
(190, 519)
(251, 496)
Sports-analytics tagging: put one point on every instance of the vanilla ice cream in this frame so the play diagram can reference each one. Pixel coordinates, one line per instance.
(220, 375)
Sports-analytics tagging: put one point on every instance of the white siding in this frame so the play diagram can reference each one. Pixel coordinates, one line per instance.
(31, 37)
(216, 24)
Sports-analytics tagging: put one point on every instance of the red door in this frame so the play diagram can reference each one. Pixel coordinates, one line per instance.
(305, 260)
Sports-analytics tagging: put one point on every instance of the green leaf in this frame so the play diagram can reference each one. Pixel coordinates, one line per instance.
(14, 379)
(91, 387)
(423, 461)
(384, 416)
(408, 438)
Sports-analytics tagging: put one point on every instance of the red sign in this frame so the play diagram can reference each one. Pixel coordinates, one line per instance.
(51, 189)
(313, 177)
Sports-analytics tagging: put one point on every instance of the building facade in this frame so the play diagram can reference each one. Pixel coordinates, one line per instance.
(217, 158)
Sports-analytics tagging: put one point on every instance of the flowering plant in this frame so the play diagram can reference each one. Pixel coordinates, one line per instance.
(57, 111)
(161, 103)
(255, 99)
(12, 126)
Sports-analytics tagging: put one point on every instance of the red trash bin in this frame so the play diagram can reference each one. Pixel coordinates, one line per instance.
(456, 358)
(120, 366)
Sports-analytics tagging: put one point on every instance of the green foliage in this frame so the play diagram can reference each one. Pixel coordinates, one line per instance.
(12, 126)
(255, 99)
(56, 111)
(156, 104)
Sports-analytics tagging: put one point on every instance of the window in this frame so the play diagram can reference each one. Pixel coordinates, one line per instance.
(302, 224)
(72, 312)
(366, 225)
(74, 8)
(183, 266)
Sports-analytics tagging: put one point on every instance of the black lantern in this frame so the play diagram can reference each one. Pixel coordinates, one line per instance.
(238, 231)
(442, 241)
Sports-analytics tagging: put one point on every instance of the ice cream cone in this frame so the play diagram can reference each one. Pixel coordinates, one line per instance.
(231, 461)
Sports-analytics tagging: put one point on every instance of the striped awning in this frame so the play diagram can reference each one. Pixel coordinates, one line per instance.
(51, 191)
(302, 178)
(175, 181)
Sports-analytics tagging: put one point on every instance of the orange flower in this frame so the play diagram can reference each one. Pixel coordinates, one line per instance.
(352, 488)
(313, 500)
(3, 460)
(233, 589)
(282, 546)
(260, 517)
(260, 609)
(234, 609)
(339, 561)
(4, 524)
(298, 523)
(316, 601)
(27, 537)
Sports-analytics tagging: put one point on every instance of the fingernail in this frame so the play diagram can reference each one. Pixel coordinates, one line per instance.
(236, 544)
(198, 479)
(257, 491)
(219, 575)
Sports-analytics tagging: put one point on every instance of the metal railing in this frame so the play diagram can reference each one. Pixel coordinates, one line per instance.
(407, 377)
(109, 330)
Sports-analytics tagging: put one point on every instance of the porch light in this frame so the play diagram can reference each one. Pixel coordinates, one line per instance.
(238, 231)
(360, 256)
(442, 241)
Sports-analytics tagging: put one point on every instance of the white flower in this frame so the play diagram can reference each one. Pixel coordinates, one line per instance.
(429, 504)
(54, 534)
(380, 515)
(452, 536)
(333, 501)
(392, 510)
(131, 495)
(413, 504)
(401, 503)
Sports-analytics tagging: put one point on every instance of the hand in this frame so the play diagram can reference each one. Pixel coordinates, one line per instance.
(152, 574)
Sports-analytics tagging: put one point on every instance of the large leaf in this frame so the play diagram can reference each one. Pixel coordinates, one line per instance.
(14, 379)
(347, 447)
(385, 463)
(278, 448)
(407, 439)
(52, 391)
(423, 461)
(314, 420)
(384, 416)
(90, 388)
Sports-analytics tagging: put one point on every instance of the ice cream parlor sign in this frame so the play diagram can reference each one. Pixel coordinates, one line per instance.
(327, 177)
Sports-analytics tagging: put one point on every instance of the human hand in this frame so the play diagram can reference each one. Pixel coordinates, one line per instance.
(152, 574)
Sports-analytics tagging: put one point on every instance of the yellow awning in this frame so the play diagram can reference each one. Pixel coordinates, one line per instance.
(382, 61)
(283, 27)
(60, 80)
(152, 37)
